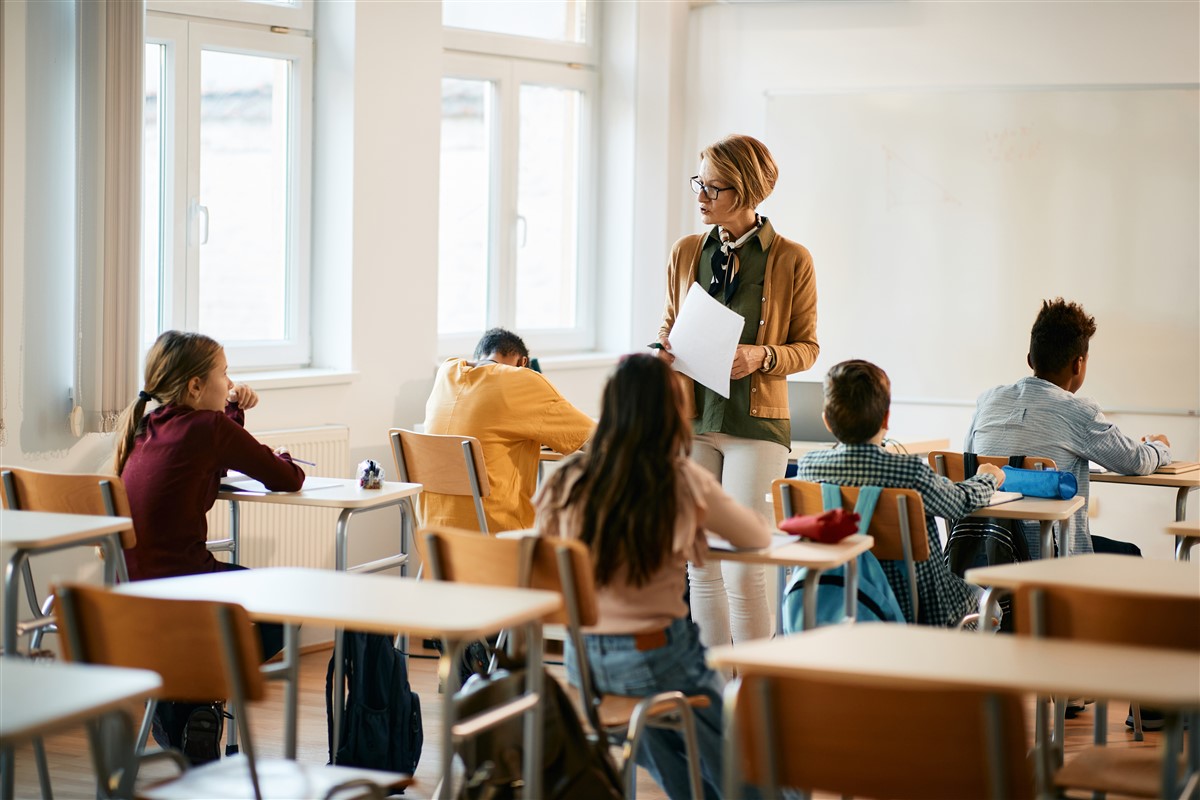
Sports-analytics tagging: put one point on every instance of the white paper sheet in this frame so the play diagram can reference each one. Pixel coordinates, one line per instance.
(705, 338)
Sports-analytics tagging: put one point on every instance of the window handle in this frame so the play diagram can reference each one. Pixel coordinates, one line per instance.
(199, 211)
(522, 230)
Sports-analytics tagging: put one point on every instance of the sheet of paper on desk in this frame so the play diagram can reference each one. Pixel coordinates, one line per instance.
(1096, 468)
(705, 338)
(240, 483)
(777, 540)
(1004, 497)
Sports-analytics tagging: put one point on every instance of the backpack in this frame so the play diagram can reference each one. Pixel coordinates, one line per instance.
(381, 726)
(876, 600)
(574, 765)
(987, 541)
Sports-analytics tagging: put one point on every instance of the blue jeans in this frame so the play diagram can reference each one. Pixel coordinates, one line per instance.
(618, 667)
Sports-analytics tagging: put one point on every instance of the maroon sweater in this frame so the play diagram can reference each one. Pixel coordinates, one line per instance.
(172, 476)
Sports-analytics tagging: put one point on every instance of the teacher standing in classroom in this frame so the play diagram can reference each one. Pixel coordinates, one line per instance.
(743, 440)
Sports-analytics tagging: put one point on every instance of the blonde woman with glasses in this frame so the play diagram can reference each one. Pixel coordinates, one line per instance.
(743, 440)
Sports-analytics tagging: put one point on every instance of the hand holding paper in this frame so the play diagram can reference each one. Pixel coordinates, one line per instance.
(704, 340)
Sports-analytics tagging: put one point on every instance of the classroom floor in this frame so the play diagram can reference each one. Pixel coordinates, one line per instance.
(72, 775)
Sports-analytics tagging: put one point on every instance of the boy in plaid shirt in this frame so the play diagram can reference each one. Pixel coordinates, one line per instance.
(858, 398)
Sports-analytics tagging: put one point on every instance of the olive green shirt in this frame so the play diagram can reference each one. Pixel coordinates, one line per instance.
(715, 414)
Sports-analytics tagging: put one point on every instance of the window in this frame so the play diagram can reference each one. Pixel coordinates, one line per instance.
(226, 162)
(515, 237)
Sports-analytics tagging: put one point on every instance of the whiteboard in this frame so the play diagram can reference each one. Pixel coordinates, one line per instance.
(939, 220)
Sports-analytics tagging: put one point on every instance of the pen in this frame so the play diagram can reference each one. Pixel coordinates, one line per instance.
(302, 461)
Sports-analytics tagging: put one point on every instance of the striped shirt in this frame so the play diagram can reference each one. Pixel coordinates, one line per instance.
(1034, 417)
(943, 597)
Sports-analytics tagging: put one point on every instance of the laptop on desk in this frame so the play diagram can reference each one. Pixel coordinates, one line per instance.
(806, 400)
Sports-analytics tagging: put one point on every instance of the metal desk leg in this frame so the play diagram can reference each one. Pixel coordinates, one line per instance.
(851, 610)
(532, 766)
(1181, 497)
(448, 670)
(1183, 544)
(1047, 530)
(12, 583)
(339, 692)
(987, 601)
(291, 660)
(7, 763)
(811, 579)
(341, 554)
(781, 594)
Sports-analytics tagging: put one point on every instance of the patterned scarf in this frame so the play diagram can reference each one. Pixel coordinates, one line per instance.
(725, 262)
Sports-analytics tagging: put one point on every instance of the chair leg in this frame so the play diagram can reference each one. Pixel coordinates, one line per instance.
(1137, 722)
(43, 768)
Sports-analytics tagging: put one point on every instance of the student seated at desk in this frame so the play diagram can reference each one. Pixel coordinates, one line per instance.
(1041, 415)
(172, 461)
(513, 412)
(858, 397)
(642, 507)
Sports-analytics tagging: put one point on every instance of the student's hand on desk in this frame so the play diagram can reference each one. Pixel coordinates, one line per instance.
(245, 397)
(664, 352)
(992, 469)
(1157, 437)
(747, 359)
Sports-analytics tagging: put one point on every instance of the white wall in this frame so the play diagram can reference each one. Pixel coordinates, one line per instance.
(738, 53)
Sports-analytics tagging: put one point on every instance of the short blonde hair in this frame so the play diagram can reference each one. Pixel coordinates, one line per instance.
(746, 164)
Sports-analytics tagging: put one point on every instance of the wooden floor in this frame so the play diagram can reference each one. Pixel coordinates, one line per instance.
(72, 775)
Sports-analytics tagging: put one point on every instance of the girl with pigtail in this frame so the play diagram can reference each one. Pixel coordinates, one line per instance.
(172, 460)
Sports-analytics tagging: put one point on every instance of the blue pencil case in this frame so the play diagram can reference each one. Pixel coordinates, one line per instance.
(1052, 483)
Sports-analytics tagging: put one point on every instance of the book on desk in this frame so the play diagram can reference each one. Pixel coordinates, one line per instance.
(1174, 468)
(999, 497)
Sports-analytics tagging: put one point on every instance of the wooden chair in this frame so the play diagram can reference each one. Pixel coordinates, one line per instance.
(443, 464)
(857, 738)
(949, 464)
(62, 493)
(1090, 615)
(898, 514)
(565, 566)
(202, 650)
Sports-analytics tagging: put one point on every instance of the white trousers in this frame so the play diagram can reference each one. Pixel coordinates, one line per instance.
(729, 600)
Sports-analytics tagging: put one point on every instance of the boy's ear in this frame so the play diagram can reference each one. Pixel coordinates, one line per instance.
(1077, 364)
(825, 420)
(1029, 361)
(887, 418)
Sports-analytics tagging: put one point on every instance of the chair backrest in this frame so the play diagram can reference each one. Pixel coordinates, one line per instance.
(949, 464)
(466, 557)
(1107, 617)
(64, 493)
(202, 650)
(804, 497)
(855, 739)
(443, 464)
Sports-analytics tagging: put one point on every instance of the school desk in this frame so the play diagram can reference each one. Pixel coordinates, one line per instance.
(28, 533)
(41, 698)
(1035, 509)
(924, 657)
(787, 552)
(458, 613)
(1186, 534)
(1184, 483)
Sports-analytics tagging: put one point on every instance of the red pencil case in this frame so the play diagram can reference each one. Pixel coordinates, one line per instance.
(829, 528)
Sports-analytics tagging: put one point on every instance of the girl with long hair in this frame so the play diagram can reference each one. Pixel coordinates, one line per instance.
(172, 461)
(642, 507)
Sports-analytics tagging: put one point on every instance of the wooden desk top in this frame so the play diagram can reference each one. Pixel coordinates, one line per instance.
(915, 447)
(1035, 509)
(788, 551)
(1190, 528)
(372, 603)
(920, 656)
(33, 529)
(343, 493)
(1105, 571)
(1180, 481)
(41, 698)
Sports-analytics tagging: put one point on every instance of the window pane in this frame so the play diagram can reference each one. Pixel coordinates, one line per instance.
(560, 20)
(244, 185)
(464, 206)
(154, 194)
(548, 204)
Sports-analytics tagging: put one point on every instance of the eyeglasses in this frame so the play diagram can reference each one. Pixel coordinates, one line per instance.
(711, 192)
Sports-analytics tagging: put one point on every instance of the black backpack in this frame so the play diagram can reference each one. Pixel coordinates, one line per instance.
(381, 726)
(574, 765)
(987, 541)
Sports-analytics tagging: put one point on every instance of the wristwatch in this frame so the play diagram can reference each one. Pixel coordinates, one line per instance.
(768, 360)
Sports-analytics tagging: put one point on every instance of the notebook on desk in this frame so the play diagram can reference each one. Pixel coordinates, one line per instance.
(999, 497)
(806, 401)
(1176, 467)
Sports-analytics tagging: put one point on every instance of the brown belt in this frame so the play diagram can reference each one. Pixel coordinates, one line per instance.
(650, 640)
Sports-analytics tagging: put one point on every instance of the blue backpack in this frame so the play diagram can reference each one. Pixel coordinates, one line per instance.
(876, 600)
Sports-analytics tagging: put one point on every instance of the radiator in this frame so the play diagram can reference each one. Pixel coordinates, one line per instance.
(275, 535)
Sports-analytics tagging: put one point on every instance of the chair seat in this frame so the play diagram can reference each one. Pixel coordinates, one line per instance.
(277, 777)
(1136, 772)
(616, 709)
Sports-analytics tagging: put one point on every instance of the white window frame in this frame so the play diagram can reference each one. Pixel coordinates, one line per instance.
(508, 63)
(296, 14)
(180, 113)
